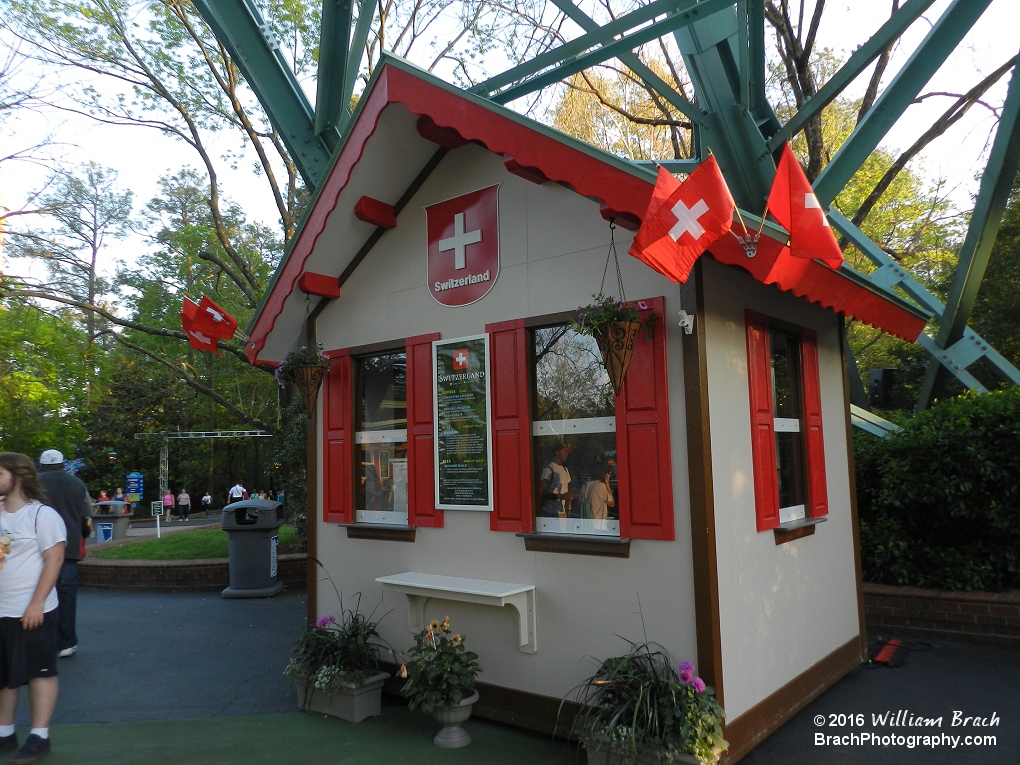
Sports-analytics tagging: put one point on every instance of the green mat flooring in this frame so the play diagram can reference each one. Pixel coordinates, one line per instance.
(397, 736)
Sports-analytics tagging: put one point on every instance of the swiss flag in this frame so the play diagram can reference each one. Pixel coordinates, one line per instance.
(683, 219)
(793, 203)
(460, 358)
(213, 320)
(196, 336)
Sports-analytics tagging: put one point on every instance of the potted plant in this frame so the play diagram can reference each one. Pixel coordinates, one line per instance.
(336, 667)
(305, 368)
(440, 674)
(638, 709)
(615, 325)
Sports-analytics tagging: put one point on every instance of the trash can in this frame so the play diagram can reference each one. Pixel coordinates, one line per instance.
(110, 521)
(253, 538)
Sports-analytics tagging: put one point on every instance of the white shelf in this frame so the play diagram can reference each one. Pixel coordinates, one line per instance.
(420, 588)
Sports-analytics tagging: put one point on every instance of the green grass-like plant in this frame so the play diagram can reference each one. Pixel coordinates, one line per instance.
(190, 545)
(639, 705)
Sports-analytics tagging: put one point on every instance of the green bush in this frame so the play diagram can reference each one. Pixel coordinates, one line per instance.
(939, 501)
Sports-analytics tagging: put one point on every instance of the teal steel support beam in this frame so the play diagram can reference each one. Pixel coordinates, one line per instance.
(993, 195)
(630, 59)
(901, 92)
(239, 26)
(857, 63)
(751, 42)
(366, 14)
(334, 50)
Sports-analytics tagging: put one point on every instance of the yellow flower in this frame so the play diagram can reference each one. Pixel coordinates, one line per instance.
(446, 624)
(434, 624)
(457, 639)
(403, 670)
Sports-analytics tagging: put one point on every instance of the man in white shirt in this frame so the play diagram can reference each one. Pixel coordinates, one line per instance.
(554, 485)
(28, 604)
(235, 493)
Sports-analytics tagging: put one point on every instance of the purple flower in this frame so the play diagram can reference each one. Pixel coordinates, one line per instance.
(644, 307)
(325, 621)
(685, 676)
(699, 684)
(688, 667)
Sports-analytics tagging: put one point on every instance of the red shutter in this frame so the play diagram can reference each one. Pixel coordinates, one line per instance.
(511, 427)
(337, 441)
(818, 503)
(642, 438)
(421, 489)
(763, 437)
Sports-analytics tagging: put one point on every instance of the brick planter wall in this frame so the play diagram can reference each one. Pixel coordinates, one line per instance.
(210, 575)
(992, 618)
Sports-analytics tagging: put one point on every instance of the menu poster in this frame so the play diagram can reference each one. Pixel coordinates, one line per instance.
(462, 433)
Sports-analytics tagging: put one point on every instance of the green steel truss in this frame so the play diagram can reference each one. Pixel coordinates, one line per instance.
(723, 46)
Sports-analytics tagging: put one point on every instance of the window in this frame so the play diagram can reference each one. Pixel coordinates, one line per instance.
(573, 407)
(787, 444)
(380, 439)
(546, 387)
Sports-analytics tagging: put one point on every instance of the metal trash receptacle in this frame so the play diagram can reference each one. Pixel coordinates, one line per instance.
(253, 539)
(109, 521)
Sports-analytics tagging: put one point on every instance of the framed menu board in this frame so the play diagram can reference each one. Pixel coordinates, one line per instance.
(463, 443)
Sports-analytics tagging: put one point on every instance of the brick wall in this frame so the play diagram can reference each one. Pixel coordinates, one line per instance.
(980, 617)
(210, 575)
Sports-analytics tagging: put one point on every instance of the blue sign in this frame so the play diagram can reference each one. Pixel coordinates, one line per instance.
(135, 486)
(104, 532)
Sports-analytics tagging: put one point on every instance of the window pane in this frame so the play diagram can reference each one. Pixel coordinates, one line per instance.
(380, 448)
(573, 404)
(790, 469)
(785, 375)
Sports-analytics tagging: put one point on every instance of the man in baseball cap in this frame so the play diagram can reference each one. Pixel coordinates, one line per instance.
(70, 498)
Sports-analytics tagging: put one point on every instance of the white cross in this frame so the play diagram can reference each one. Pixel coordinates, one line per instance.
(461, 358)
(200, 337)
(459, 241)
(217, 316)
(687, 219)
(811, 203)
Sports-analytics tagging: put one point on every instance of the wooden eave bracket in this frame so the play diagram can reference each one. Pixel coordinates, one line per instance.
(321, 285)
(420, 588)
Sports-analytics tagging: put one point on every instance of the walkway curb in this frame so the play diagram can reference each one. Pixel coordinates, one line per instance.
(205, 575)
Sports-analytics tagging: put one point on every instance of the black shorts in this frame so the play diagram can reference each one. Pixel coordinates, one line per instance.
(27, 654)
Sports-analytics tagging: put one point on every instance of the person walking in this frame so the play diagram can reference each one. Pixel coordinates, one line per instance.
(68, 495)
(183, 505)
(207, 503)
(236, 493)
(168, 506)
(28, 605)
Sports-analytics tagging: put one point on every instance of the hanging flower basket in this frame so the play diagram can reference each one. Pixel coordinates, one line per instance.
(305, 368)
(615, 326)
(616, 343)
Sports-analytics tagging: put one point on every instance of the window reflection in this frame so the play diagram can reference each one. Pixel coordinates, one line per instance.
(380, 440)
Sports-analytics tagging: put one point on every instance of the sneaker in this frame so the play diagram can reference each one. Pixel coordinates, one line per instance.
(34, 748)
(68, 652)
(7, 743)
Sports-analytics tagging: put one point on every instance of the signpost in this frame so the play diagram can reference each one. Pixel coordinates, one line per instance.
(157, 511)
(461, 408)
(134, 486)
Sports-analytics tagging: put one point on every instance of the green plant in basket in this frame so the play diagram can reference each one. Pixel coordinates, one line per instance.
(300, 357)
(439, 669)
(593, 319)
(337, 653)
(638, 705)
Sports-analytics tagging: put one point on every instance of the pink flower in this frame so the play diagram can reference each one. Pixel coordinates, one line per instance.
(325, 621)
(686, 672)
(699, 685)
(642, 305)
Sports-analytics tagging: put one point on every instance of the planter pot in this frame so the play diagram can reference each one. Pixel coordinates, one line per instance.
(452, 735)
(616, 344)
(351, 703)
(602, 756)
(308, 379)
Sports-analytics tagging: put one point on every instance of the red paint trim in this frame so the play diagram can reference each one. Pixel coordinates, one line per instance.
(319, 284)
(375, 212)
(532, 174)
(421, 494)
(445, 137)
(818, 502)
(338, 441)
(763, 437)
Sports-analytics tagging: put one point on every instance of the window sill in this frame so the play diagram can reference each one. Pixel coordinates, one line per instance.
(803, 527)
(379, 531)
(577, 544)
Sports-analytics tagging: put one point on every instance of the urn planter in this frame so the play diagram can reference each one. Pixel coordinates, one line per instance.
(348, 702)
(308, 378)
(452, 736)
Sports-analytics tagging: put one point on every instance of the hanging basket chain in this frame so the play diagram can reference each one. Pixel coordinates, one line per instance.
(612, 255)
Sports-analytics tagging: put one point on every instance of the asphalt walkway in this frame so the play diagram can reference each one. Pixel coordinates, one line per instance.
(183, 679)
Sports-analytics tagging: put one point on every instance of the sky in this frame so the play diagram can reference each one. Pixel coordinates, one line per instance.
(142, 156)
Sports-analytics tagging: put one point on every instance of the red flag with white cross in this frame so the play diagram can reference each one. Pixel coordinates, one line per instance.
(196, 336)
(213, 320)
(683, 219)
(793, 203)
(463, 246)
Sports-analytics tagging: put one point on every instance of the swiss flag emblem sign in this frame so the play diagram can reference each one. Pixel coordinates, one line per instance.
(463, 246)
(460, 358)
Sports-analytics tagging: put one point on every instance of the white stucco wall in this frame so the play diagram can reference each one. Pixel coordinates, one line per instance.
(553, 246)
(783, 607)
